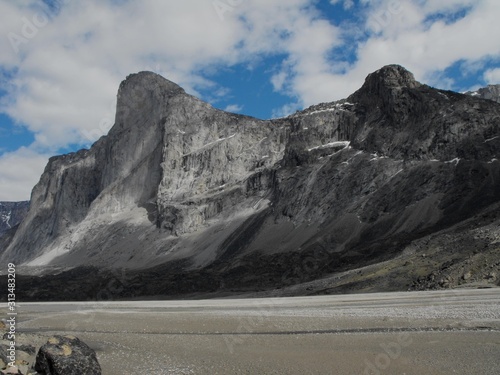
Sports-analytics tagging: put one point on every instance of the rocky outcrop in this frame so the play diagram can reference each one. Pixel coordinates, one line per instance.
(169, 166)
(206, 200)
(66, 355)
(491, 92)
(11, 214)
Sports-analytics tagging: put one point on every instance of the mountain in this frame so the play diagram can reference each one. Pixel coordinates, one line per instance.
(491, 92)
(395, 187)
(11, 214)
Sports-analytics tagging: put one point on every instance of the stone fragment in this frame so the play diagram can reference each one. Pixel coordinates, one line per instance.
(67, 355)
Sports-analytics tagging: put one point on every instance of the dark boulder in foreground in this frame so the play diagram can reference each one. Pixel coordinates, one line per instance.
(66, 355)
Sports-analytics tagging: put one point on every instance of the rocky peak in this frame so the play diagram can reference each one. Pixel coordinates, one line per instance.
(385, 90)
(491, 92)
(141, 90)
(149, 79)
(389, 77)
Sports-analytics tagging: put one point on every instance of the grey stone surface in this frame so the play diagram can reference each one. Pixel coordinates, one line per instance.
(66, 355)
(209, 200)
(491, 92)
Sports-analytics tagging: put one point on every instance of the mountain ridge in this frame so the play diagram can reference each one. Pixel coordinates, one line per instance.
(208, 199)
(490, 92)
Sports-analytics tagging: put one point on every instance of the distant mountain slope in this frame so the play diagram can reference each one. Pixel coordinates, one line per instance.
(11, 214)
(366, 192)
(491, 92)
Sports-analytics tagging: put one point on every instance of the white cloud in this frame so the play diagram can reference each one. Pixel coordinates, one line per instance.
(423, 36)
(278, 80)
(233, 108)
(492, 76)
(286, 110)
(68, 73)
(68, 70)
(347, 4)
(19, 172)
(446, 6)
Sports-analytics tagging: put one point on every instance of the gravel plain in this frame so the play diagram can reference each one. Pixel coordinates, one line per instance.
(445, 332)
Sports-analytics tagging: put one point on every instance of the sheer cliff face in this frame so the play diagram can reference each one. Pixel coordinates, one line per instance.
(342, 184)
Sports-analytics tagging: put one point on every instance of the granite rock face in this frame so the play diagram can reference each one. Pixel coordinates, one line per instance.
(202, 197)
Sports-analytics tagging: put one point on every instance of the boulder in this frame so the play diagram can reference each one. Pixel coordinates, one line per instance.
(66, 355)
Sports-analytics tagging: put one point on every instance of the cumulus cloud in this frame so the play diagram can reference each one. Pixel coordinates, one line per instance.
(19, 172)
(492, 76)
(234, 108)
(68, 69)
(69, 64)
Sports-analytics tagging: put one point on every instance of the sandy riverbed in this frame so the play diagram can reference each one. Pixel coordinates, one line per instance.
(452, 332)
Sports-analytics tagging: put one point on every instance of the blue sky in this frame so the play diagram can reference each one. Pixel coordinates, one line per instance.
(63, 60)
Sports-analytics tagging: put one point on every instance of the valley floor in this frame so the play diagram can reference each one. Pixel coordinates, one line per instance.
(445, 332)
